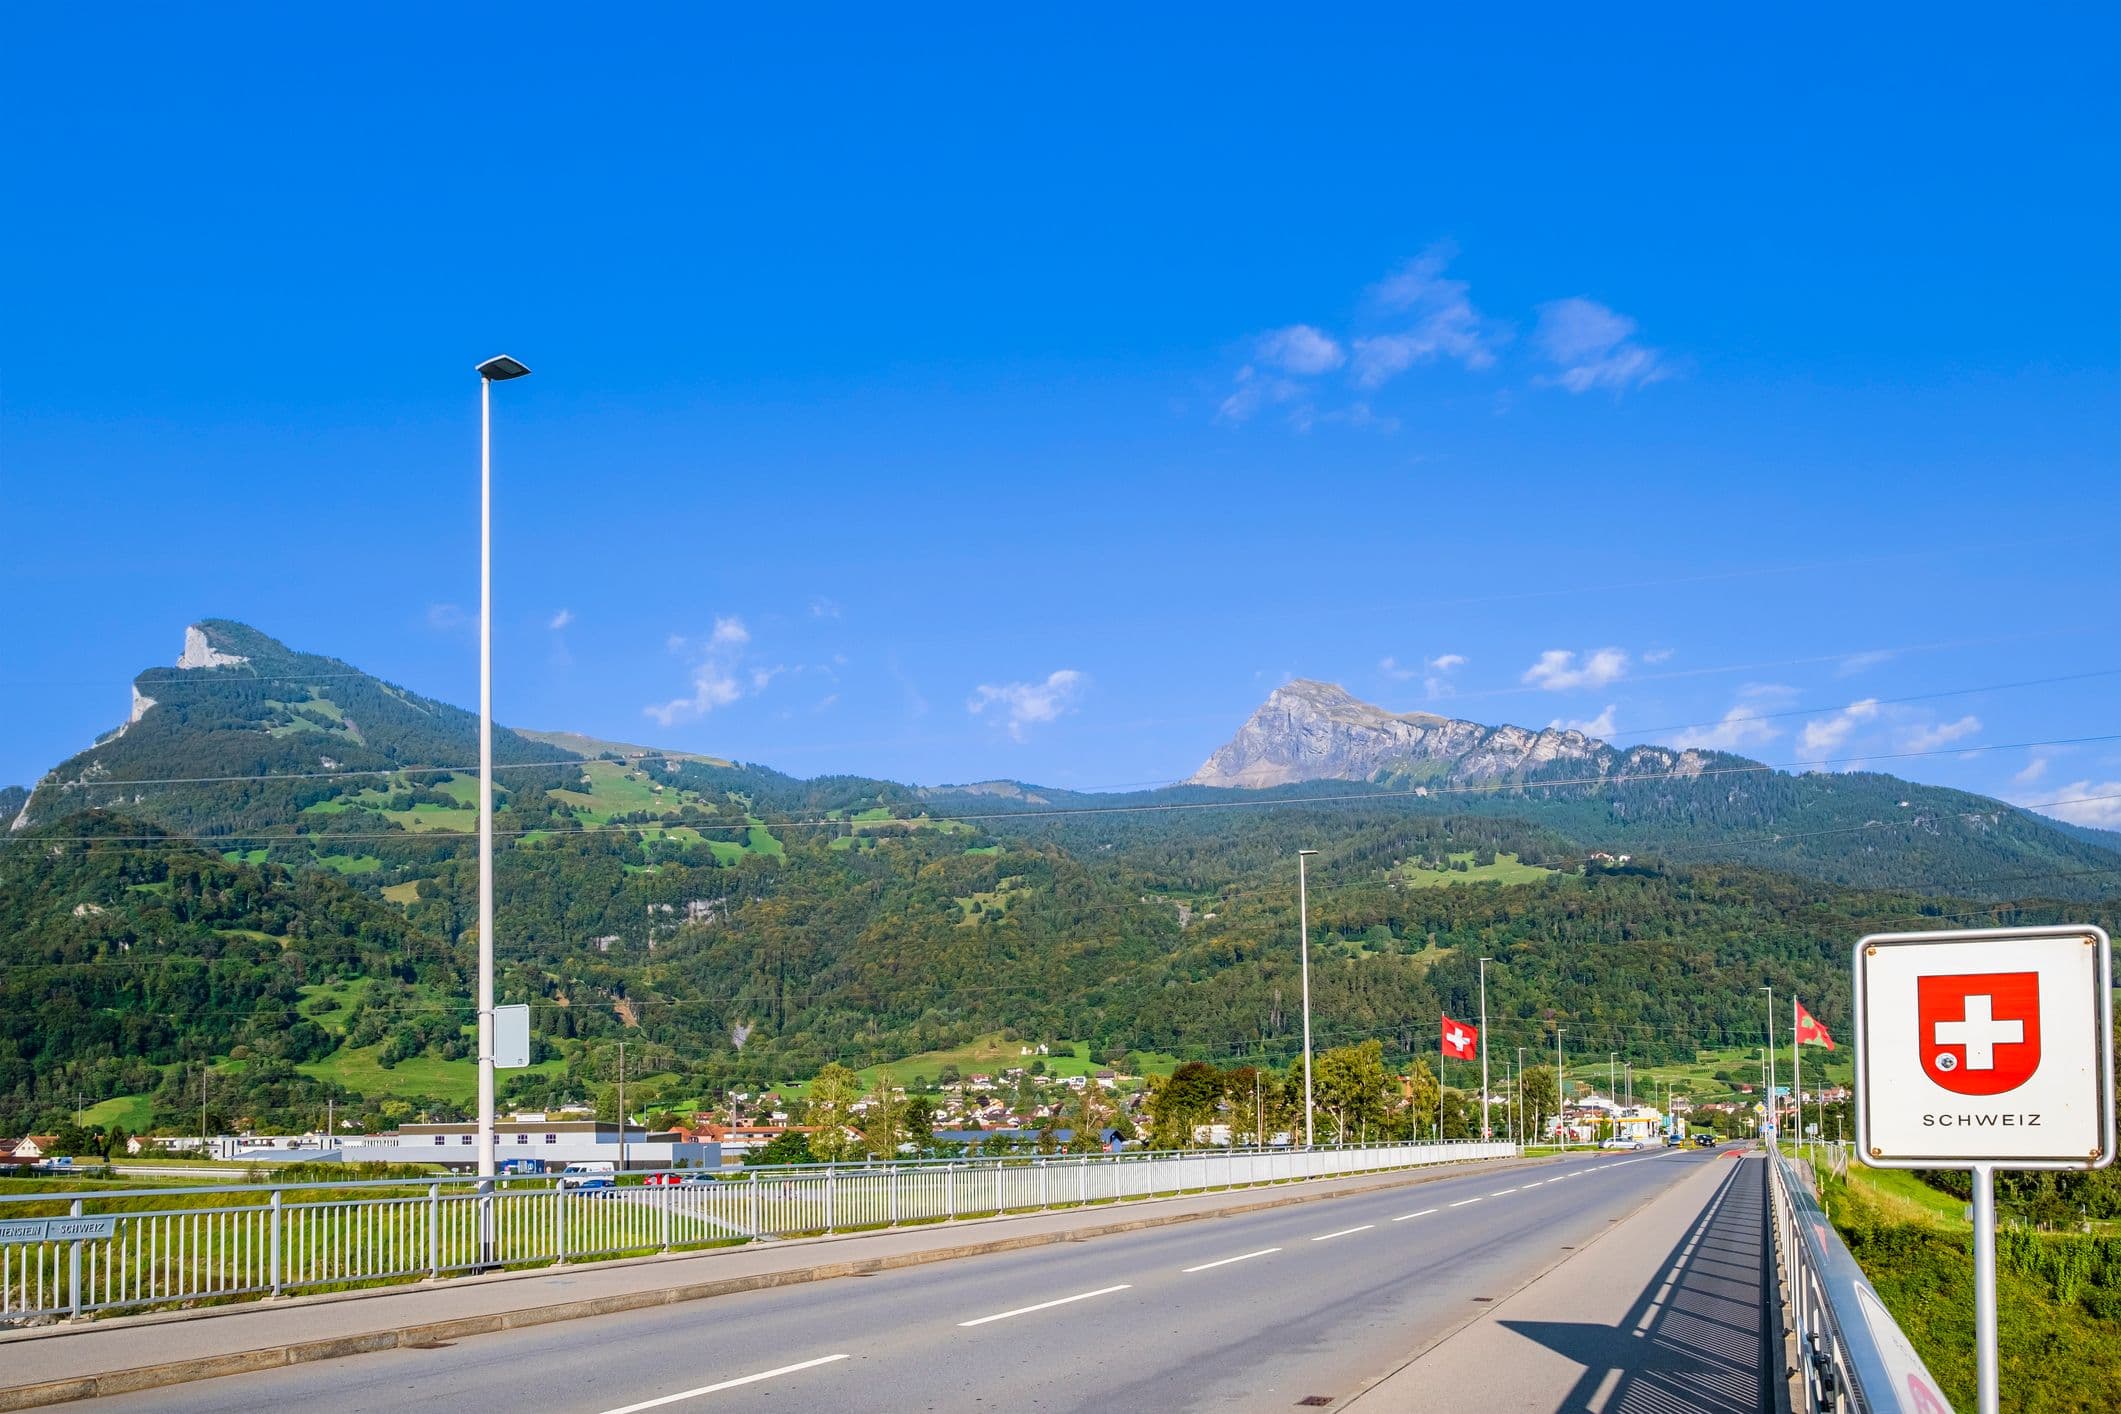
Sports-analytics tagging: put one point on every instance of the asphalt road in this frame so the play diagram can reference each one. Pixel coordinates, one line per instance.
(1258, 1311)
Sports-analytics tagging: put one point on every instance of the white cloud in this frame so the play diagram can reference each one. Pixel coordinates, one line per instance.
(1437, 681)
(718, 677)
(1744, 725)
(1857, 662)
(1657, 655)
(1828, 733)
(448, 618)
(1942, 734)
(1392, 668)
(1025, 704)
(1255, 392)
(1301, 349)
(1444, 323)
(2032, 771)
(1600, 726)
(1558, 671)
(1593, 348)
(823, 608)
(561, 619)
(2094, 803)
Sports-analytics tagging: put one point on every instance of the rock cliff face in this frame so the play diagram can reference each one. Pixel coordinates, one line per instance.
(1312, 731)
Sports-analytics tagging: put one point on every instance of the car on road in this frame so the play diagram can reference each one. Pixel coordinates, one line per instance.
(596, 1173)
(663, 1180)
(1704, 1141)
(1621, 1144)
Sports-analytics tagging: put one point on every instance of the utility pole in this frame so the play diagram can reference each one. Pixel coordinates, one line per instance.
(622, 1107)
(202, 1107)
(1773, 1110)
(1561, 1101)
(1524, 1128)
(1303, 924)
(1485, 1132)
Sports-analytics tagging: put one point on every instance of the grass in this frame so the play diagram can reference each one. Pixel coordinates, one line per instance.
(245, 856)
(351, 863)
(456, 1081)
(1916, 1248)
(1507, 869)
(402, 893)
(128, 1112)
(991, 1054)
(1004, 893)
(1696, 1079)
(609, 788)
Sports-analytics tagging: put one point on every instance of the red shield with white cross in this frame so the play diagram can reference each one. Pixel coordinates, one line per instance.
(1980, 1032)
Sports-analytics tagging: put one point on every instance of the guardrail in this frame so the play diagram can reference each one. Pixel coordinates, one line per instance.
(1851, 1353)
(203, 1245)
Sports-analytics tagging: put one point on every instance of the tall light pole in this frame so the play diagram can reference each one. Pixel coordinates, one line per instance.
(1484, 1134)
(1561, 1101)
(1524, 1130)
(494, 370)
(1774, 1118)
(1303, 925)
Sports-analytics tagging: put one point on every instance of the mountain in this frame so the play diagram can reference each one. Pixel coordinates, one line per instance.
(245, 733)
(1308, 731)
(209, 884)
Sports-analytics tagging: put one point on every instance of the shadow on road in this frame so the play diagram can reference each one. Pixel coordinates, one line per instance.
(1698, 1338)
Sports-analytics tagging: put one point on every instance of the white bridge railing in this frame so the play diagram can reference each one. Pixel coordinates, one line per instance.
(76, 1255)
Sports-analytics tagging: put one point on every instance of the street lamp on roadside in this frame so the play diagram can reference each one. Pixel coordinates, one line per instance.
(494, 370)
(1484, 1134)
(1303, 926)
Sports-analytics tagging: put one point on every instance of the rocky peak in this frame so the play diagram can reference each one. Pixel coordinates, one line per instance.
(1309, 731)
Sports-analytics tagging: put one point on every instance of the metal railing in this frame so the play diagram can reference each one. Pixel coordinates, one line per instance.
(1851, 1353)
(134, 1249)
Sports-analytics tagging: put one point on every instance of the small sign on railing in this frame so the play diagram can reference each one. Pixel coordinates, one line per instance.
(57, 1229)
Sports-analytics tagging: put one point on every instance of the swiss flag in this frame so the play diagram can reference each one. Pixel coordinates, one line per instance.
(1459, 1039)
(1809, 1031)
(1979, 1032)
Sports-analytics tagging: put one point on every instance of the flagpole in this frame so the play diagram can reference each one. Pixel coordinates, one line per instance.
(1797, 1063)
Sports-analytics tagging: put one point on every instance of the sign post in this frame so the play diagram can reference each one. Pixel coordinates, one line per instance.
(1984, 1049)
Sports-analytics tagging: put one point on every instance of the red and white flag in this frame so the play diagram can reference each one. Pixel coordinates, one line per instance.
(1459, 1039)
(1809, 1031)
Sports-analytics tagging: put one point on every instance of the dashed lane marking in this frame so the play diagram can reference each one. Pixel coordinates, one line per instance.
(1204, 1266)
(725, 1384)
(1041, 1306)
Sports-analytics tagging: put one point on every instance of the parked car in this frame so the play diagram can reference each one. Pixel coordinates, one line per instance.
(663, 1180)
(595, 1173)
(698, 1180)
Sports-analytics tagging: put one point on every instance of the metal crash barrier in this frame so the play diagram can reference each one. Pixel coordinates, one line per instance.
(1851, 1353)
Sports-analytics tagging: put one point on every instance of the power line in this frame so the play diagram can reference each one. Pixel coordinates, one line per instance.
(1339, 798)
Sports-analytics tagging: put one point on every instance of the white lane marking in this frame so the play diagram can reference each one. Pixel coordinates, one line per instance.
(1500, 1191)
(1344, 1232)
(1047, 1305)
(1535, 1183)
(1204, 1266)
(1463, 1201)
(725, 1384)
(1422, 1214)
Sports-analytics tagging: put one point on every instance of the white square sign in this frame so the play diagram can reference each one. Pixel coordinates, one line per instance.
(1985, 1046)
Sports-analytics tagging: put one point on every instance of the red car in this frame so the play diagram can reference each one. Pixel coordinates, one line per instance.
(659, 1180)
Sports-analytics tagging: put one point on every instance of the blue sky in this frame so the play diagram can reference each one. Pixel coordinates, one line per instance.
(1026, 396)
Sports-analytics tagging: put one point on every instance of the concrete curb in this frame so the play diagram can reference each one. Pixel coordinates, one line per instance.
(242, 1362)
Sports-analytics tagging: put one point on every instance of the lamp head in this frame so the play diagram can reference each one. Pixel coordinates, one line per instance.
(501, 368)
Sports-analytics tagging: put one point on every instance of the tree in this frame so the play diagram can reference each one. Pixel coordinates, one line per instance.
(1349, 1084)
(791, 1146)
(1181, 1100)
(885, 1122)
(831, 1110)
(1536, 1097)
(1087, 1118)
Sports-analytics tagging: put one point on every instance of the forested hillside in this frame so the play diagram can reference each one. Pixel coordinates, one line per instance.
(306, 937)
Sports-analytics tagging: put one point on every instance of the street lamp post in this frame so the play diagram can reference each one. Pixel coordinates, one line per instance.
(1524, 1131)
(1303, 926)
(494, 370)
(1561, 1100)
(1485, 1135)
(1774, 1116)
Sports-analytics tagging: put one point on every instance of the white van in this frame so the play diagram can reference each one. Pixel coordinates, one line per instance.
(594, 1173)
